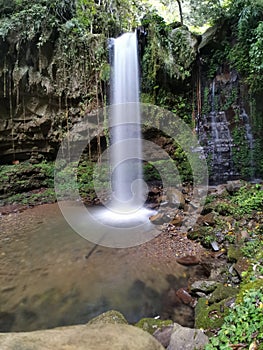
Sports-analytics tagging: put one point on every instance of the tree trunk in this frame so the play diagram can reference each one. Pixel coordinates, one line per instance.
(180, 11)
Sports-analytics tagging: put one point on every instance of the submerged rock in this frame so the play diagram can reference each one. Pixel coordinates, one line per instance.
(188, 260)
(151, 325)
(159, 219)
(185, 297)
(107, 317)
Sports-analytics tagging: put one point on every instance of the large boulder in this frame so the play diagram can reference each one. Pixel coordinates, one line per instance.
(188, 42)
(82, 337)
(184, 338)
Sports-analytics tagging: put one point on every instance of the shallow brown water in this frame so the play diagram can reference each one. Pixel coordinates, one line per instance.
(50, 276)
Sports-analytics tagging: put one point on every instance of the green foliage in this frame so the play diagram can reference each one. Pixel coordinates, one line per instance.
(248, 198)
(162, 170)
(152, 52)
(256, 58)
(85, 172)
(32, 198)
(241, 153)
(246, 54)
(242, 44)
(6, 7)
(251, 248)
(244, 323)
(168, 53)
(30, 19)
(180, 105)
(206, 11)
(224, 208)
(230, 99)
(27, 183)
(150, 173)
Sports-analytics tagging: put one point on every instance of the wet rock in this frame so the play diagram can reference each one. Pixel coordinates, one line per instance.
(7, 320)
(151, 325)
(82, 337)
(111, 317)
(208, 219)
(177, 220)
(219, 273)
(164, 335)
(204, 286)
(188, 260)
(217, 190)
(185, 297)
(222, 292)
(241, 265)
(242, 236)
(215, 246)
(184, 338)
(208, 36)
(233, 186)
(159, 219)
(210, 317)
(175, 198)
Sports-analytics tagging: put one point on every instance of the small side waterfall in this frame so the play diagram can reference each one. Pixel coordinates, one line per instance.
(225, 132)
(250, 140)
(217, 141)
(125, 129)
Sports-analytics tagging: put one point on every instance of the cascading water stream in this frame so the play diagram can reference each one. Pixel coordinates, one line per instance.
(250, 141)
(221, 143)
(125, 130)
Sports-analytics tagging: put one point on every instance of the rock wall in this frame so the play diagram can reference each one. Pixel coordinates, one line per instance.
(45, 89)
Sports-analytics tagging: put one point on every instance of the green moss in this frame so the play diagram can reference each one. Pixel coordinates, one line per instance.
(151, 324)
(111, 317)
(257, 284)
(222, 292)
(210, 317)
(234, 253)
(204, 234)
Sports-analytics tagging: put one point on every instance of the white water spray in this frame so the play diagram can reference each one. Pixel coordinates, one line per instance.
(125, 130)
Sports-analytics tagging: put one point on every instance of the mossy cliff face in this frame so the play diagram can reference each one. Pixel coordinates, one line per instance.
(228, 111)
(51, 74)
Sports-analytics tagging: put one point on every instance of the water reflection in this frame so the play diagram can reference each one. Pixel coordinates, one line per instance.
(50, 276)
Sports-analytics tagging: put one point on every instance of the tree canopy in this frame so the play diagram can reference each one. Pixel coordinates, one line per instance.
(243, 48)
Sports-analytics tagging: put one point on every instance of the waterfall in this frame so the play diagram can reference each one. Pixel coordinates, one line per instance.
(250, 140)
(125, 129)
(218, 143)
